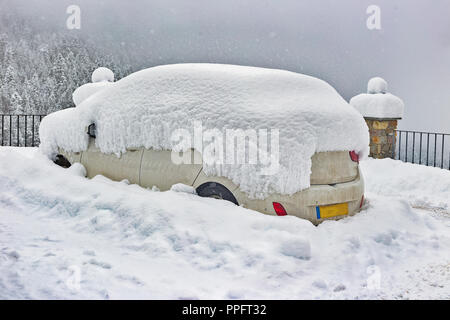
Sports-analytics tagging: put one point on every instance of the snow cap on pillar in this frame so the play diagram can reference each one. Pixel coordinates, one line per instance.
(102, 74)
(377, 85)
(377, 102)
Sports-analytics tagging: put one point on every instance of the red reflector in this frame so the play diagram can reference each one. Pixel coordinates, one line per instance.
(354, 156)
(362, 202)
(279, 209)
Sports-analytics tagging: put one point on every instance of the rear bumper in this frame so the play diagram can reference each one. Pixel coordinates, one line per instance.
(303, 204)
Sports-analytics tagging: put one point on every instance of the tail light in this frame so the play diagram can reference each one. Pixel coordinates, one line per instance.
(354, 156)
(279, 209)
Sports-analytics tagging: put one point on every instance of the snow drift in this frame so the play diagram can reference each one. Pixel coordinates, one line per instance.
(145, 108)
(131, 243)
(422, 186)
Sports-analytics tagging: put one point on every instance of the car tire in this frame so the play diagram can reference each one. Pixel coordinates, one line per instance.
(217, 191)
(62, 161)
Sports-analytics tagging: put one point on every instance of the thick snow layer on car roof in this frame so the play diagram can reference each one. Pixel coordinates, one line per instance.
(147, 107)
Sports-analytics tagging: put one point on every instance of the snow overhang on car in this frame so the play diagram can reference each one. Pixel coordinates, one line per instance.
(147, 107)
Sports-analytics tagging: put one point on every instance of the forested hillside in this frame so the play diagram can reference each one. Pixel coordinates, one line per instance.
(40, 70)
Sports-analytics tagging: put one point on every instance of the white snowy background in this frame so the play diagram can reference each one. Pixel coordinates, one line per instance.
(63, 236)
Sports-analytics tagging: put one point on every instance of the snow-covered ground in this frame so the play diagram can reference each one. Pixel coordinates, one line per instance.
(421, 186)
(64, 236)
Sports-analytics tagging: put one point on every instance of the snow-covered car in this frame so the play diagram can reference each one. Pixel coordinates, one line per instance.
(136, 129)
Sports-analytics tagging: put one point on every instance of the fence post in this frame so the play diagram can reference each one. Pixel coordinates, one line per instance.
(18, 129)
(3, 128)
(10, 130)
(32, 130)
(25, 134)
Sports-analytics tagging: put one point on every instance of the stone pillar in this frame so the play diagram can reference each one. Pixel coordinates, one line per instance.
(381, 110)
(383, 136)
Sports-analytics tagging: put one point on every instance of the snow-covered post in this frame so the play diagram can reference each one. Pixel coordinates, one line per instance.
(381, 110)
(101, 79)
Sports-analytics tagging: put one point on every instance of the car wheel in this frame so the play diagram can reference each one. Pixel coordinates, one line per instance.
(217, 191)
(62, 161)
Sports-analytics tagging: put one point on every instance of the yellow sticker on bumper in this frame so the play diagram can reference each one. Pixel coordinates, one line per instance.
(333, 210)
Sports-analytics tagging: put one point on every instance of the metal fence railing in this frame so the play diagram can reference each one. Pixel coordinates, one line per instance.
(428, 148)
(20, 130)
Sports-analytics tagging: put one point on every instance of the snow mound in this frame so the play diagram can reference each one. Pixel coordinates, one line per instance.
(377, 103)
(102, 74)
(180, 187)
(53, 221)
(77, 169)
(147, 107)
(85, 91)
(423, 186)
(377, 85)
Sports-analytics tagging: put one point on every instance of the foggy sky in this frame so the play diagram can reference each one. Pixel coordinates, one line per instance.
(327, 39)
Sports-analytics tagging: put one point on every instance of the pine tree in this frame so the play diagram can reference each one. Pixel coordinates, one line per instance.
(40, 70)
(17, 104)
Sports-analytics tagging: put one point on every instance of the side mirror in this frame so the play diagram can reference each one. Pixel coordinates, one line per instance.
(91, 130)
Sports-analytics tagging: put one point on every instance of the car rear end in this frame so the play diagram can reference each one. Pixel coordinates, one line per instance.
(337, 191)
(337, 185)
